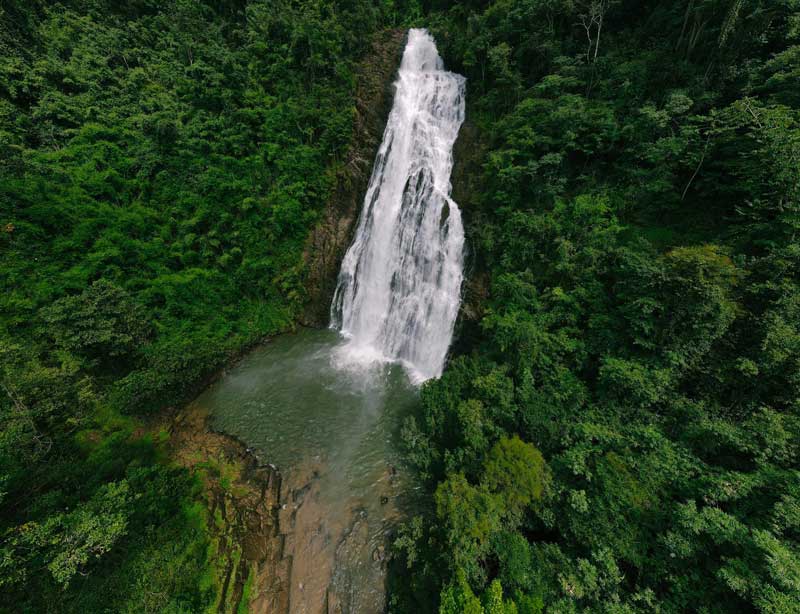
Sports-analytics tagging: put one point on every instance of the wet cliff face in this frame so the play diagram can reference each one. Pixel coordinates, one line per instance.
(329, 240)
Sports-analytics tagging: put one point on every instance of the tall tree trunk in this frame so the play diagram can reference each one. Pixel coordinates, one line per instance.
(597, 43)
(686, 15)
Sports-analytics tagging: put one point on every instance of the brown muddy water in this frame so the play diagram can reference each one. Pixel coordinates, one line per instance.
(333, 431)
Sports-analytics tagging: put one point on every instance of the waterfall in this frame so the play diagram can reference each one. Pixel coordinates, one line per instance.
(398, 291)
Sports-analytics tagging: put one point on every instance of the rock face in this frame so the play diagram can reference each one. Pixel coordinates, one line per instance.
(468, 158)
(334, 562)
(243, 498)
(329, 240)
(469, 155)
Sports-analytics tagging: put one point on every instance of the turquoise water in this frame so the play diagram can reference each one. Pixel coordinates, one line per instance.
(289, 400)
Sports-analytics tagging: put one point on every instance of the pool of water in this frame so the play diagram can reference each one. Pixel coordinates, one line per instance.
(331, 426)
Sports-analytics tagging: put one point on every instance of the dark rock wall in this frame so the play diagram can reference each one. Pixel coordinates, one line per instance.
(331, 237)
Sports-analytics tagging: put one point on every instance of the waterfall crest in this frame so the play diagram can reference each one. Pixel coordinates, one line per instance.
(398, 291)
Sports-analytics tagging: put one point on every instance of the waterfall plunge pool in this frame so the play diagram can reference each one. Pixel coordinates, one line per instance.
(292, 399)
(332, 430)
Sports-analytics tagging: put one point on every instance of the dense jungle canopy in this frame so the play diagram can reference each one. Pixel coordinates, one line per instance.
(618, 429)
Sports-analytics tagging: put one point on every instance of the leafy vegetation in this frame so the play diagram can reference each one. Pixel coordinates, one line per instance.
(161, 165)
(620, 432)
(636, 223)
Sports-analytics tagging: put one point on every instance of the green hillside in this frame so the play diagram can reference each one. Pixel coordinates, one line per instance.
(618, 428)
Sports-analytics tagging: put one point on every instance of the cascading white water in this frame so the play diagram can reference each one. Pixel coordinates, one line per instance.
(399, 287)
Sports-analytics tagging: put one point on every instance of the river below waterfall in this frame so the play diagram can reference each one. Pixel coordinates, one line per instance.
(332, 431)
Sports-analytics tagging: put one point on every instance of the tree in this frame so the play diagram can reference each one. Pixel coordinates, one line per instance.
(100, 324)
(68, 542)
(515, 473)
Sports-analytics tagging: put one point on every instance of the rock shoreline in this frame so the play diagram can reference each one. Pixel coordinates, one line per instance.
(243, 497)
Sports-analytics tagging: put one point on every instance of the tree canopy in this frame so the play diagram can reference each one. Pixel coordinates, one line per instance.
(634, 229)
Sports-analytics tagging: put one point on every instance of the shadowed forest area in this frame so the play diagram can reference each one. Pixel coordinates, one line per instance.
(618, 428)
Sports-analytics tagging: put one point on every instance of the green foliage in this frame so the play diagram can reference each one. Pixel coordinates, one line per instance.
(621, 432)
(98, 324)
(636, 225)
(514, 471)
(161, 165)
(67, 541)
(458, 598)
(512, 479)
